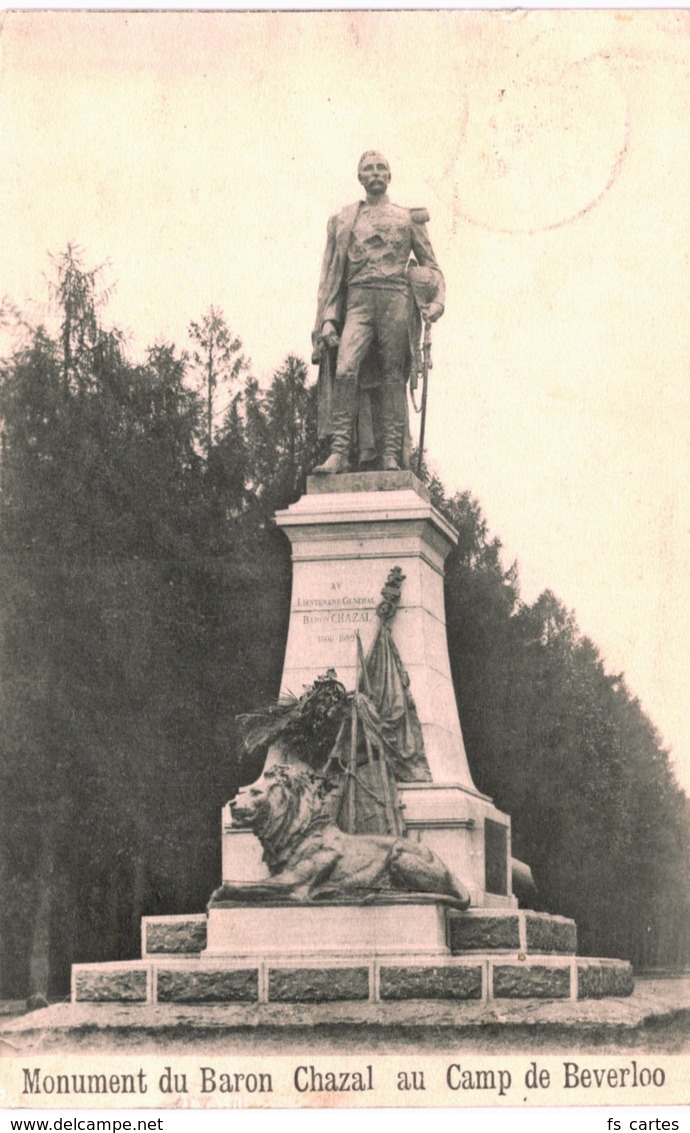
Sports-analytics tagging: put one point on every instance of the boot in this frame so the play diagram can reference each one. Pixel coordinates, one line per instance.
(342, 419)
(389, 463)
(393, 411)
(335, 463)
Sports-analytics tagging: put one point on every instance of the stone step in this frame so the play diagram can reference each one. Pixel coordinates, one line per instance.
(481, 977)
(174, 935)
(489, 930)
(477, 930)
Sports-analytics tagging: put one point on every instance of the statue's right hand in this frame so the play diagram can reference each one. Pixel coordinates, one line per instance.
(329, 335)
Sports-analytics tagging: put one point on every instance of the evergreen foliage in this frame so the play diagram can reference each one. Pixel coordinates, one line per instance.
(146, 596)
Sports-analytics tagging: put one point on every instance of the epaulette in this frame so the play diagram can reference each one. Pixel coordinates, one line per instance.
(419, 216)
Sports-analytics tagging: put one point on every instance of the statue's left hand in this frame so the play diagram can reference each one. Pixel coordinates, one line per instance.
(433, 312)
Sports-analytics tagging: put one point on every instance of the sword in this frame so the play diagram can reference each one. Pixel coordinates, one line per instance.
(426, 365)
(425, 287)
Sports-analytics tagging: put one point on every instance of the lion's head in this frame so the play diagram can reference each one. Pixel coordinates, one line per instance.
(281, 808)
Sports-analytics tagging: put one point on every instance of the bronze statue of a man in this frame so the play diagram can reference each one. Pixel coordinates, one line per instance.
(368, 323)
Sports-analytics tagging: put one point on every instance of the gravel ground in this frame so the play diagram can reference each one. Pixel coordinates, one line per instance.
(656, 1017)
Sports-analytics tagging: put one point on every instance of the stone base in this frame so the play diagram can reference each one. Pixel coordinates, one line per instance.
(404, 950)
(476, 930)
(366, 482)
(365, 979)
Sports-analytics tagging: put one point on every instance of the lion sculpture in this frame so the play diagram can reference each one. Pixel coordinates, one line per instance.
(311, 859)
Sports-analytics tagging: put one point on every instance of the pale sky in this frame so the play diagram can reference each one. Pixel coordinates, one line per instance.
(202, 154)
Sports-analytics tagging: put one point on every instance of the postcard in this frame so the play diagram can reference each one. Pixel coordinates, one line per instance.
(344, 547)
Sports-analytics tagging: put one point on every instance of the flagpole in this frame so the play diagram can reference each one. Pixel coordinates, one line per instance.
(352, 764)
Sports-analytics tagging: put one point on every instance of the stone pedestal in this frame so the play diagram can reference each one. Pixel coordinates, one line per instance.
(409, 950)
(344, 543)
(347, 533)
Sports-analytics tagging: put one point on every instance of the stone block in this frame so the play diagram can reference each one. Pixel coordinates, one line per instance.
(317, 985)
(239, 985)
(120, 985)
(546, 933)
(366, 482)
(311, 928)
(489, 932)
(175, 936)
(599, 979)
(531, 981)
(448, 982)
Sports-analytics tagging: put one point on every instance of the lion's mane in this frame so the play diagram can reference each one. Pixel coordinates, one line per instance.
(292, 809)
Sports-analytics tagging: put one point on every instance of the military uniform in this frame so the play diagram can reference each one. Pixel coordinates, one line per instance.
(365, 293)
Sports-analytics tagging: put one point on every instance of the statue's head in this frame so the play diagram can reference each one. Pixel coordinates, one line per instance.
(374, 172)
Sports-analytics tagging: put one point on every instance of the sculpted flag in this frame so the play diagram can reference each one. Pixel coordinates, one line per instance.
(382, 744)
(368, 740)
(387, 685)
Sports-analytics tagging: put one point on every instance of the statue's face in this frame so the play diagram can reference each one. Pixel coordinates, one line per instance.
(374, 174)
